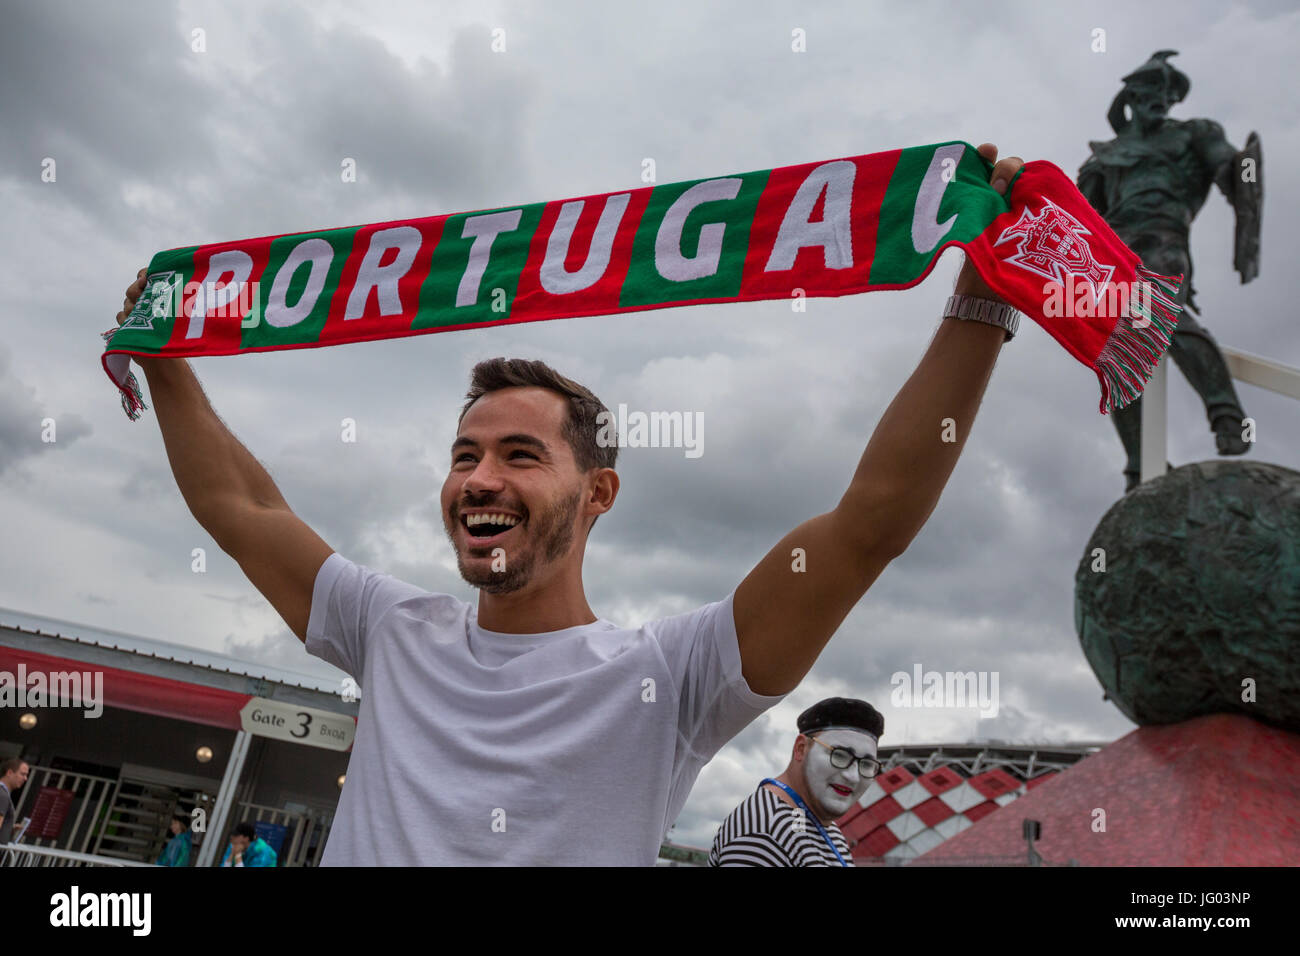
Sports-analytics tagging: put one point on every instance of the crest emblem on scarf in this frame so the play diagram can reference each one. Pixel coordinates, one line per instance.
(153, 302)
(1052, 244)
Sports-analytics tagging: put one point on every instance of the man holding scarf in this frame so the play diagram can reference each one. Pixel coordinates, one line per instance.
(523, 728)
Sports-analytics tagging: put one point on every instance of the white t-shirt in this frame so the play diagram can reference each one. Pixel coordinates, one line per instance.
(474, 747)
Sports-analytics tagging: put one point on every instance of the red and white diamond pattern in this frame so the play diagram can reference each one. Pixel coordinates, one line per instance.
(902, 815)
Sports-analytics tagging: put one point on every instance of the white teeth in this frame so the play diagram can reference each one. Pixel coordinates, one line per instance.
(472, 520)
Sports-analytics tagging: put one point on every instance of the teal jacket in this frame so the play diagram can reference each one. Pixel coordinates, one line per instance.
(259, 853)
(177, 851)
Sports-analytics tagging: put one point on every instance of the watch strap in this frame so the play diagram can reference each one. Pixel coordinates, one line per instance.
(975, 309)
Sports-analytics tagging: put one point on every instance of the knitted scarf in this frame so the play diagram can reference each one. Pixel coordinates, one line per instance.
(831, 228)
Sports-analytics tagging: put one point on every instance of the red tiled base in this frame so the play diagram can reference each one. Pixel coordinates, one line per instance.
(1222, 790)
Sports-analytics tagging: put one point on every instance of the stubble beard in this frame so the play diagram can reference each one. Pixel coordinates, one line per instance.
(553, 531)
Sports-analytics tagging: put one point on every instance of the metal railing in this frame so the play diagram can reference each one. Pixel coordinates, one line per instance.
(22, 854)
(303, 830)
(676, 854)
(90, 822)
(92, 795)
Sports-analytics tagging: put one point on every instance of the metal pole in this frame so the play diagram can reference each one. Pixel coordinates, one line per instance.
(1031, 830)
(81, 811)
(225, 798)
(1155, 402)
(1263, 372)
(102, 825)
(1243, 366)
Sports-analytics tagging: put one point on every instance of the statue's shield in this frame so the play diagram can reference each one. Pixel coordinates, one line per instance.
(1248, 201)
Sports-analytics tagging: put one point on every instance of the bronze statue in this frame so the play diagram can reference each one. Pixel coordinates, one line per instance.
(1149, 183)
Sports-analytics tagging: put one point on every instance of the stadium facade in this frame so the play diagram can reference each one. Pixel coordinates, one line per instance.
(120, 732)
(927, 794)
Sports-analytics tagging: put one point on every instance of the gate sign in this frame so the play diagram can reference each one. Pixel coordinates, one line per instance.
(301, 725)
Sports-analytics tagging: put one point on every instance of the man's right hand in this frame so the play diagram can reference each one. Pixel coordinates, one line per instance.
(228, 491)
(132, 294)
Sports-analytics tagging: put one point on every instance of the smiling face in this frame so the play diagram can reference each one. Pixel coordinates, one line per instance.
(513, 485)
(831, 791)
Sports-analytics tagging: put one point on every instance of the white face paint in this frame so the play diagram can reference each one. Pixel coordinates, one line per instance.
(834, 791)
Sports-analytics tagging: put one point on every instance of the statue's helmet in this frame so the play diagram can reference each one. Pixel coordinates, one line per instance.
(1159, 69)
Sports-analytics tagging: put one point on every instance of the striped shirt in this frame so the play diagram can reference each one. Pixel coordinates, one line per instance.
(766, 831)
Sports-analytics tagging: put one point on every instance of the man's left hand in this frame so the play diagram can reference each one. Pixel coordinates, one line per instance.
(969, 281)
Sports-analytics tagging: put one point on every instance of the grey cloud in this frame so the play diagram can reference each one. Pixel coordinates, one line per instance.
(23, 421)
(279, 648)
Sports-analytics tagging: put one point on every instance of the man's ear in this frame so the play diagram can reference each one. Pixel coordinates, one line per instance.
(604, 490)
(800, 748)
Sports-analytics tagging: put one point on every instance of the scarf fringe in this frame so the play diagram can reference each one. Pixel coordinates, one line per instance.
(1132, 353)
(132, 398)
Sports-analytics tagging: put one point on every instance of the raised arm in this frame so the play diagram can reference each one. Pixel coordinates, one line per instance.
(229, 492)
(784, 615)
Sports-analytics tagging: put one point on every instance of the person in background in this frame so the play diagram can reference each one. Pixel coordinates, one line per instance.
(790, 821)
(13, 774)
(177, 850)
(246, 848)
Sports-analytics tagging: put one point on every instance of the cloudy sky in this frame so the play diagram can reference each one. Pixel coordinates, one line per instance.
(158, 145)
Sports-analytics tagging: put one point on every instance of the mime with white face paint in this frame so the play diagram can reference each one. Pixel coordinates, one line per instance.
(790, 821)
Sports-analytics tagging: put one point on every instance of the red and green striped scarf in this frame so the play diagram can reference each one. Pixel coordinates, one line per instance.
(819, 229)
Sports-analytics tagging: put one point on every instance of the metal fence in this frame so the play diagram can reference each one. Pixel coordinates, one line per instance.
(305, 833)
(98, 829)
(22, 854)
(91, 799)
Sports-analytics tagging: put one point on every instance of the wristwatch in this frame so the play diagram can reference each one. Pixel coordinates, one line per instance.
(988, 311)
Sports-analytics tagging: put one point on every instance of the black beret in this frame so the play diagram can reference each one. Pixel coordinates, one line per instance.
(842, 712)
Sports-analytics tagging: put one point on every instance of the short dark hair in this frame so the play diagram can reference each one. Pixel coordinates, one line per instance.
(244, 829)
(581, 427)
(183, 818)
(12, 764)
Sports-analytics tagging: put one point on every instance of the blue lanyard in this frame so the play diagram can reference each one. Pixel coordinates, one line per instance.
(803, 806)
